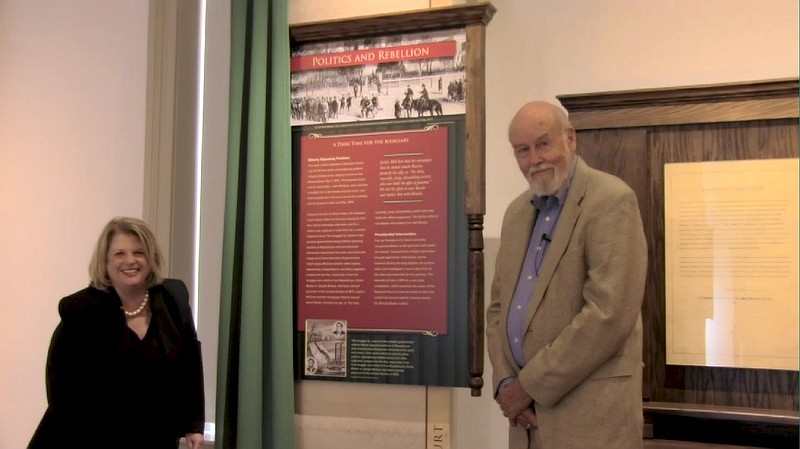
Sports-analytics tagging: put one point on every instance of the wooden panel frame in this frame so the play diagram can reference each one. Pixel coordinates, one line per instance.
(766, 110)
(473, 17)
(758, 100)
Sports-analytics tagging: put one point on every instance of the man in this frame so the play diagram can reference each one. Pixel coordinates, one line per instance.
(397, 108)
(409, 93)
(564, 325)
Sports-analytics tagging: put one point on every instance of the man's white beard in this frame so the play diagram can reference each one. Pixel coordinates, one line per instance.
(549, 186)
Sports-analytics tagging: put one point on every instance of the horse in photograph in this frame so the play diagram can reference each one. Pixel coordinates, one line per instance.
(423, 105)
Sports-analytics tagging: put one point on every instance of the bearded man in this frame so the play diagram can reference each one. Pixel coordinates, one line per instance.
(564, 326)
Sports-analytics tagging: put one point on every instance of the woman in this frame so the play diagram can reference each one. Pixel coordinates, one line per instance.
(124, 367)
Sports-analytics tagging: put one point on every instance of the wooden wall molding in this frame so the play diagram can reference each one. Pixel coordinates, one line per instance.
(750, 414)
(381, 25)
(757, 100)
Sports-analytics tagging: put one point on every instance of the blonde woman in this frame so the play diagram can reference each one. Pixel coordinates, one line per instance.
(124, 367)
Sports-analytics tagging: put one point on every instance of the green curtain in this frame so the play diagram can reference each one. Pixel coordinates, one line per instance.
(255, 386)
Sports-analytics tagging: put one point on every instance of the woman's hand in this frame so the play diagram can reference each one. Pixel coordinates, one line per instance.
(194, 440)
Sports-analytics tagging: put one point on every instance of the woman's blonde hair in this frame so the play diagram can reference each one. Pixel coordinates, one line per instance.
(98, 271)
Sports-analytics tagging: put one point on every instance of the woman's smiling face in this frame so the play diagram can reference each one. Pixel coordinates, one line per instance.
(126, 262)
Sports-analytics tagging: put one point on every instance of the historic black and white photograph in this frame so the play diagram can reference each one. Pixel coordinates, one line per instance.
(389, 77)
(326, 348)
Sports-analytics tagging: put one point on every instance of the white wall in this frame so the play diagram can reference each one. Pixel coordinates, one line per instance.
(72, 109)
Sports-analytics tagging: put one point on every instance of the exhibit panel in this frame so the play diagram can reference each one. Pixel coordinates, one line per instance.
(388, 143)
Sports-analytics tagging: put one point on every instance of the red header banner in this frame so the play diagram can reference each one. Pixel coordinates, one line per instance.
(430, 50)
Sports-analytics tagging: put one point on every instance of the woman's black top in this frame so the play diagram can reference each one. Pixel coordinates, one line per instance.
(106, 387)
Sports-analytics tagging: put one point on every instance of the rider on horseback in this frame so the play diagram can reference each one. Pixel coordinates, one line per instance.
(408, 101)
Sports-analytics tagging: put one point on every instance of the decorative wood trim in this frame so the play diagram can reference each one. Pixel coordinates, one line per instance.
(733, 111)
(773, 99)
(475, 198)
(753, 90)
(783, 417)
(475, 160)
(378, 25)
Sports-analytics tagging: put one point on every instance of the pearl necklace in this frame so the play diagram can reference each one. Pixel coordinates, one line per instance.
(139, 309)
